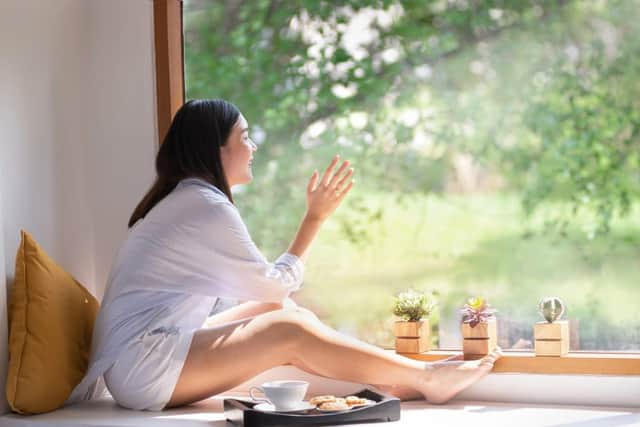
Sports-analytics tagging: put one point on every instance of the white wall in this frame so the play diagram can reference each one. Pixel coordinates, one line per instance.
(77, 131)
(122, 123)
(3, 315)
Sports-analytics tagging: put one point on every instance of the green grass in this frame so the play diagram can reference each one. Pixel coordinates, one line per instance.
(463, 245)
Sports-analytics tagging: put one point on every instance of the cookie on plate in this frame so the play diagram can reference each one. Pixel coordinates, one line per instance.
(355, 400)
(338, 405)
(318, 400)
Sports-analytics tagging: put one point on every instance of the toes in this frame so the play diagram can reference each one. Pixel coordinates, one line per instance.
(490, 359)
(485, 367)
(487, 363)
(494, 355)
(497, 353)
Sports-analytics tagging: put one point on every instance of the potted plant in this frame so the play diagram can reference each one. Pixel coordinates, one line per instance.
(552, 335)
(479, 329)
(413, 333)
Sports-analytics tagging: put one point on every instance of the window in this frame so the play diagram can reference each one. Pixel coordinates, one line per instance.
(496, 151)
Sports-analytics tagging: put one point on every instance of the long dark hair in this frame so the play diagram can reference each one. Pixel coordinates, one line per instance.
(191, 148)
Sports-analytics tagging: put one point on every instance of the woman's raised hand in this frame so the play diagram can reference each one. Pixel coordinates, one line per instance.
(324, 196)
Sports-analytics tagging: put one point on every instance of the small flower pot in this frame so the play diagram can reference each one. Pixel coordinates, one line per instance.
(479, 340)
(412, 337)
(552, 339)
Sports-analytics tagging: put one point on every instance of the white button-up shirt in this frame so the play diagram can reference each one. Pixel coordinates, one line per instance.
(189, 250)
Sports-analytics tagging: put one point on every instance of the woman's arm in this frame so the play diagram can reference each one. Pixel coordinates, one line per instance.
(323, 198)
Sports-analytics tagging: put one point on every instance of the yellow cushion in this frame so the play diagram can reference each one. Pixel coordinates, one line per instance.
(51, 317)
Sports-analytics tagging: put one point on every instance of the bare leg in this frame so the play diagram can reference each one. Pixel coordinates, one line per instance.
(251, 309)
(223, 357)
(242, 311)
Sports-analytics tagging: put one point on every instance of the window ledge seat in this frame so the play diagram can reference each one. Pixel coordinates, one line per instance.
(106, 412)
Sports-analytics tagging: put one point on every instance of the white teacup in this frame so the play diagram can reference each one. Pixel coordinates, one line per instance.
(283, 395)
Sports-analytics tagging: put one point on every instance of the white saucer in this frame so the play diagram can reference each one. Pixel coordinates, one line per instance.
(268, 407)
(367, 403)
(333, 410)
(359, 405)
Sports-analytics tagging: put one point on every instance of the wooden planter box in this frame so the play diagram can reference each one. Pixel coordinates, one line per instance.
(412, 337)
(552, 339)
(480, 340)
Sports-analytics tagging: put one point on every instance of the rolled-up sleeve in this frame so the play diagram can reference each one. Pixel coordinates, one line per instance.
(291, 266)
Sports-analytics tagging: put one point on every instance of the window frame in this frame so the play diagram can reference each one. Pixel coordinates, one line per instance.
(170, 95)
(169, 61)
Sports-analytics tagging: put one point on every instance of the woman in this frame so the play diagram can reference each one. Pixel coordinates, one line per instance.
(188, 246)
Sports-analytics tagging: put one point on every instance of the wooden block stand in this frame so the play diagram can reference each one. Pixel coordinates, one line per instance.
(552, 339)
(412, 337)
(480, 340)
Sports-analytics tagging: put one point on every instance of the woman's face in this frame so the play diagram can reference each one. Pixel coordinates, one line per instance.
(237, 154)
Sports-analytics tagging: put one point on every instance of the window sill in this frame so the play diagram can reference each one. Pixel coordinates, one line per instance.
(591, 363)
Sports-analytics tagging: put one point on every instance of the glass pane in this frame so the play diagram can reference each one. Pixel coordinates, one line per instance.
(496, 154)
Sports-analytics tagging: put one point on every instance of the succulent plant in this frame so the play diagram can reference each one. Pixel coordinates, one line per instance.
(551, 308)
(477, 310)
(413, 305)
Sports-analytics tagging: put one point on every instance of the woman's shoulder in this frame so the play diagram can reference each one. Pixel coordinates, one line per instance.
(191, 206)
(201, 190)
(191, 200)
(201, 201)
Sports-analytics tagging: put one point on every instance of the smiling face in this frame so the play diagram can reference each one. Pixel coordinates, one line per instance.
(237, 154)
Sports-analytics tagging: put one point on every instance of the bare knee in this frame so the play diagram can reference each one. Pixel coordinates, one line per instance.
(294, 325)
(294, 318)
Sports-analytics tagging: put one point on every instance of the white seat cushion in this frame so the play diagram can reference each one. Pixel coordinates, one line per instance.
(209, 413)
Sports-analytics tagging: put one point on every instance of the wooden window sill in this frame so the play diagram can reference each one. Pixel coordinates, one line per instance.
(591, 363)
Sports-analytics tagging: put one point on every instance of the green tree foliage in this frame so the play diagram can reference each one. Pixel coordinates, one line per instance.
(540, 93)
(587, 124)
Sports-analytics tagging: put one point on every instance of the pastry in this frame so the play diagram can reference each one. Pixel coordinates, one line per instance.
(355, 400)
(318, 400)
(338, 405)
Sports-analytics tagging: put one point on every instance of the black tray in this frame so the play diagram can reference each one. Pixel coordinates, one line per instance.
(386, 408)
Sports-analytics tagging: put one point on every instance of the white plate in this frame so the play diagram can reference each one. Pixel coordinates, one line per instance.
(268, 407)
(332, 410)
(368, 402)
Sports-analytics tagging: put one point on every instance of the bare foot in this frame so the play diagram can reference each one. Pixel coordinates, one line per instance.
(443, 380)
(406, 393)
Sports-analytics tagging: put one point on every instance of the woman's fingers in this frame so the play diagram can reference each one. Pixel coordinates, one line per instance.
(333, 183)
(312, 182)
(344, 192)
(325, 195)
(344, 179)
(335, 186)
(329, 171)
